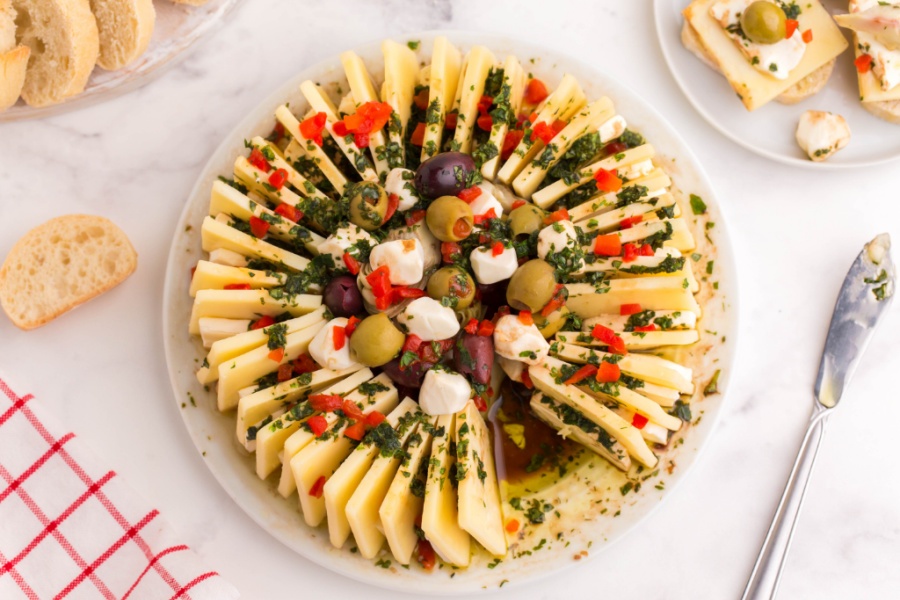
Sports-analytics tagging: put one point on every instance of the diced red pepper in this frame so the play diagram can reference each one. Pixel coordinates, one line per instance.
(607, 245)
(340, 129)
(291, 213)
(317, 425)
(418, 136)
(650, 327)
(526, 379)
(393, 203)
(259, 161)
(582, 373)
(486, 328)
(518, 203)
(556, 301)
(558, 125)
(450, 120)
(629, 309)
(535, 91)
(608, 372)
(350, 327)
(374, 419)
(356, 431)
(361, 140)
(402, 293)
(380, 280)
(607, 336)
(237, 286)
(497, 248)
(311, 128)
(629, 222)
(339, 336)
(485, 104)
(305, 364)
(471, 327)
(481, 219)
(412, 343)
(425, 554)
(512, 526)
(421, 99)
(351, 263)
(480, 404)
(647, 250)
(510, 143)
(639, 421)
(285, 372)
(629, 253)
(607, 181)
(368, 118)
(277, 355)
(613, 148)
(542, 131)
(469, 194)
(525, 317)
(258, 227)
(318, 487)
(325, 402)
(278, 178)
(808, 36)
(414, 216)
(352, 411)
(790, 26)
(262, 322)
(557, 215)
(485, 122)
(863, 63)
(450, 251)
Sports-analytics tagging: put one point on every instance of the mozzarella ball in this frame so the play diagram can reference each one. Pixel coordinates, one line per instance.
(429, 319)
(556, 237)
(820, 134)
(517, 341)
(343, 240)
(491, 269)
(512, 368)
(322, 349)
(486, 201)
(612, 128)
(400, 183)
(405, 259)
(444, 393)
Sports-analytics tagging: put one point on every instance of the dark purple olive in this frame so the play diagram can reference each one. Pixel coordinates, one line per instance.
(446, 174)
(342, 297)
(474, 356)
(492, 296)
(410, 376)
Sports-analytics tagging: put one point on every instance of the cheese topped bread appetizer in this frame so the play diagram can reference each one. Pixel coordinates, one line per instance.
(766, 49)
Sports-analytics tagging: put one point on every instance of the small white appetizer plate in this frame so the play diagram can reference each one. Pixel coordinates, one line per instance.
(588, 531)
(177, 28)
(769, 131)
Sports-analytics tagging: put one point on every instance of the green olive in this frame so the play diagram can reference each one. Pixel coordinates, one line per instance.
(552, 323)
(763, 22)
(450, 219)
(368, 204)
(452, 282)
(532, 286)
(525, 220)
(376, 340)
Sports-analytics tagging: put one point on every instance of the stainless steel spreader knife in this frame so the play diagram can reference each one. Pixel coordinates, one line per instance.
(864, 298)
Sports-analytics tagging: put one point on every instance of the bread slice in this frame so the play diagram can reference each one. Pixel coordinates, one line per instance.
(62, 35)
(190, 2)
(125, 28)
(61, 264)
(803, 89)
(889, 110)
(13, 58)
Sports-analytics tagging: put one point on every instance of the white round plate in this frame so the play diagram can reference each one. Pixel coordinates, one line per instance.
(769, 130)
(591, 531)
(177, 28)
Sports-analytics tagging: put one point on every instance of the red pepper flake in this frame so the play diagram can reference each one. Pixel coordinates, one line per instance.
(512, 526)
(629, 309)
(557, 215)
(582, 373)
(291, 213)
(418, 136)
(518, 203)
(639, 421)
(607, 181)
(351, 263)
(647, 250)
(863, 63)
(485, 122)
(808, 36)
(278, 178)
(258, 227)
(285, 372)
(650, 327)
(525, 318)
(629, 222)
(608, 372)
(450, 120)
(356, 431)
(790, 26)
(497, 249)
(318, 487)
(262, 322)
(258, 160)
(469, 194)
(526, 379)
(425, 554)
(317, 425)
(325, 402)
(607, 336)
(305, 364)
(629, 253)
(486, 328)
(607, 245)
(352, 322)
(471, 327)
(374, 419)
(511, 142)
(339, 337)
(414, 216)
(535, 91)
(311, 128)
(277, 355)
(237, 286)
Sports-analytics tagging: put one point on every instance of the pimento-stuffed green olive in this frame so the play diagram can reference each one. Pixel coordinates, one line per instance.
(376, 340)
(368, 205)
(532, 286)
(764, 22)
(450, 219)
(525, 220)
(454, 283)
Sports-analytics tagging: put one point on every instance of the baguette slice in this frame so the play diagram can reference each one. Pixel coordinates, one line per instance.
(62, 35)
(125, 28)
(13, 59)
(61, 264)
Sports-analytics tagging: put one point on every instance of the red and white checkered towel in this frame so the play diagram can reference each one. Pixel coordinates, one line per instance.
(70, 528)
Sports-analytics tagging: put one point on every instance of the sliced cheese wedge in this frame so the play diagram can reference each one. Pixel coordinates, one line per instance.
(513, 88)
(478, 64)
(681, 237)
(257, 181)
(652, 293)
(636, 212)
(671, 319)
(638, 404)
(362, 90)
(216, 235)
(213, 329)
(446, 62)
(636, 340)
(656, 183)
(400, 73)
(248, 304)
(309, 148)
(304, 186)
(440, 512)
(213, 276)
(479, 491)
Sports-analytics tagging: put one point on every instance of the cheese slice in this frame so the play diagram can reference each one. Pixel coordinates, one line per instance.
(244, 342)
(362, 90)
(612, 219)
(248, 304)
(753, 87)
(479, 492)
(636, 340)
(440, 511)
(343, 483)
(309, 148)
(585, 121)
(446, 62)
(216, 235)
(566, 100)
(362, 508)
(478, 64)
(514, 79)
(681, 239)
(213, 276)
(656, 182)
(870, 89)
(270, 440)
(652, 293)
(402, 505)
(670, 319)
(304, 186)
(642, 266)
(257, 181)
(321, 457)
(634, 401)
(399, 88)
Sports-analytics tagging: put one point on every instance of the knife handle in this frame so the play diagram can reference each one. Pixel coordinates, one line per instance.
(766, 574)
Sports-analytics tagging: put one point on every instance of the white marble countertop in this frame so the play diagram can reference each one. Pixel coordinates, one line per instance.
(134, 160)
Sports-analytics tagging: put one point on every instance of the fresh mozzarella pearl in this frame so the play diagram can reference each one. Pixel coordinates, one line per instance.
(404, 258)
(228, 258)
(444, 393)
(491, 269)
(612, 128)
(342, 240)
(429, 320)
(486, 201)
(512, 368)
(820, 134)
(513, 339)
(556, 237)
(214, 329)
(322, 349)
(400, 182)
